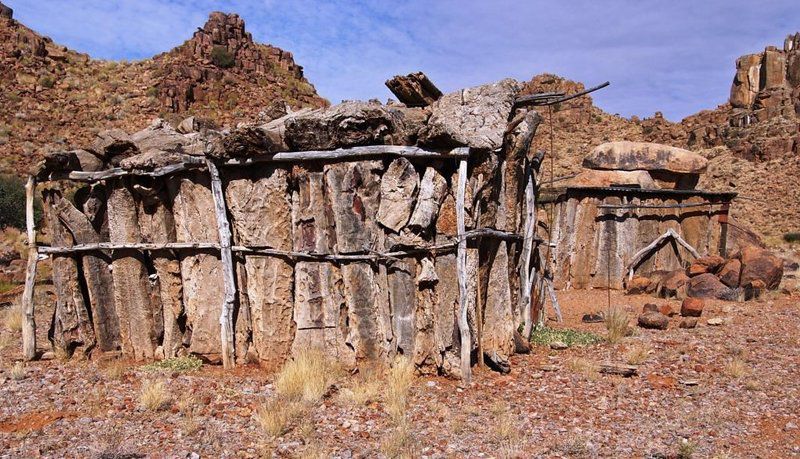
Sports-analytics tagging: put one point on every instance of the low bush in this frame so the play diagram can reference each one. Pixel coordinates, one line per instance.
(12, 202)
(543, 336)
(221, 57)
(791, 237)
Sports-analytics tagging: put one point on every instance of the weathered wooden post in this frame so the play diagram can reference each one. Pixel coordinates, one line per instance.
(29, 320)
(461, 269)
(226, 314)
(525, 278)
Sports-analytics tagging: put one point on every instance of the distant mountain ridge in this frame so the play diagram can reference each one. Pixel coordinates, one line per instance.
(54, 98)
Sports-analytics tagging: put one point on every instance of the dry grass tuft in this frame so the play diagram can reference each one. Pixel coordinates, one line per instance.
(398, 382)
(637, 354)
(400, 443)
(275, 416)
(153, 395)
(583, 367)
(737, 368)
(5, 340)
(13, 318)
(115, 369)
(17, 372)
(365, 389)
(617, 324)
(307, 377)
(686, 449)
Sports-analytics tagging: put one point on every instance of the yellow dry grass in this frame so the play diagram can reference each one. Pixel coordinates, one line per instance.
(583, 367)
(306, 377)
(637, 354)
(400, 442)
(398, 383)
(737, 368)
(153, 395)
(275, 415)
(17, 372)
(13, 318)
(616, 320)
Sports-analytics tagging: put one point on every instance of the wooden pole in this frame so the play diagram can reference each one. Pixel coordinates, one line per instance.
(525, 278)
(461, 270)
(29, 319)
(226, 255)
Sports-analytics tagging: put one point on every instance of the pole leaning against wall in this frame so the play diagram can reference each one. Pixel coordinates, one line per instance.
(461, 269)
(29, 320)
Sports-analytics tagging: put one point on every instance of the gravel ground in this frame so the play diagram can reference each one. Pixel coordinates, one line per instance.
(713, 391)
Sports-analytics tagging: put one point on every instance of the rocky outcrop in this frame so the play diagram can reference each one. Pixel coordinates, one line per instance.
(630, 156)
(475, 116)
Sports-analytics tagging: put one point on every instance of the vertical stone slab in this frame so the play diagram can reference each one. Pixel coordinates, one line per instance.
(71, 327)
(320, 309)
(201, 273)
(132, 288)
(96, 273)
(498, 325)
(403, 301)
(583, 260)
(646, 233)
(157, 225)
(353, 189)
(694, 226)
(261, 216)
(445, 312)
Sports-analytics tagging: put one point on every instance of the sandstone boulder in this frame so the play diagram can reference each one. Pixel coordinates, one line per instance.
(414, 89)
(707, 264)
(604, 178)
(653, 320)
(729, 273)
(692, 307)
(629, 156)
(348, 124)
(637, 285)
(761, 264)
(399, 186)
(475, 117)
(673, 285)
(709, 286)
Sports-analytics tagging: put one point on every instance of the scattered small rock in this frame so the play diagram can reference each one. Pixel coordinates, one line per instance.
(688, 322)
(558, 345)
(692, 307)
(715, 321)
(689, 382)
(592, 318)
(650, 307)
(653, 320)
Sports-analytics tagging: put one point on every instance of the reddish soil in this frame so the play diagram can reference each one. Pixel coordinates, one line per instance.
(686, 392)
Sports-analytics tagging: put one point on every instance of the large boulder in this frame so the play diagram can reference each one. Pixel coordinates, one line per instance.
(350, 124)
(706, 264)
(709, 286)
(653, 320)
(602, 178)
(729, 274)
(673, 284)
(475, 117)
(630, 156)
(761, 264)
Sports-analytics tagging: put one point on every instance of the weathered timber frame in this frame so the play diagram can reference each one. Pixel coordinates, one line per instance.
(226, 249)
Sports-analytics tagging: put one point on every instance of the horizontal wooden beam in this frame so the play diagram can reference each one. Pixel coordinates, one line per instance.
(334, 257)
(353, 153)
(196, 162)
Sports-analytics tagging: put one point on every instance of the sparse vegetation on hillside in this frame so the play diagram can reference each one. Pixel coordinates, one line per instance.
(12, 202)
(222, 58)
(543, 336)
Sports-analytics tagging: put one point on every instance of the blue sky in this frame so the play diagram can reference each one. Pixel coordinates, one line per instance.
(675, 56)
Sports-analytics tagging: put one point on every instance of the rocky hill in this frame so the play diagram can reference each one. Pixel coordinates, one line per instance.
(53, 97)
(752, 142)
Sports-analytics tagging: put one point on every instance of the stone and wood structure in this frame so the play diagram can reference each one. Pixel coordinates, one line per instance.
(363, 229)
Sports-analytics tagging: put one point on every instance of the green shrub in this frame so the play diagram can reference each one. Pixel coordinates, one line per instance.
(221, 57)
(543, 336)
(791, 237)
(12, 203)
(47, 81)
